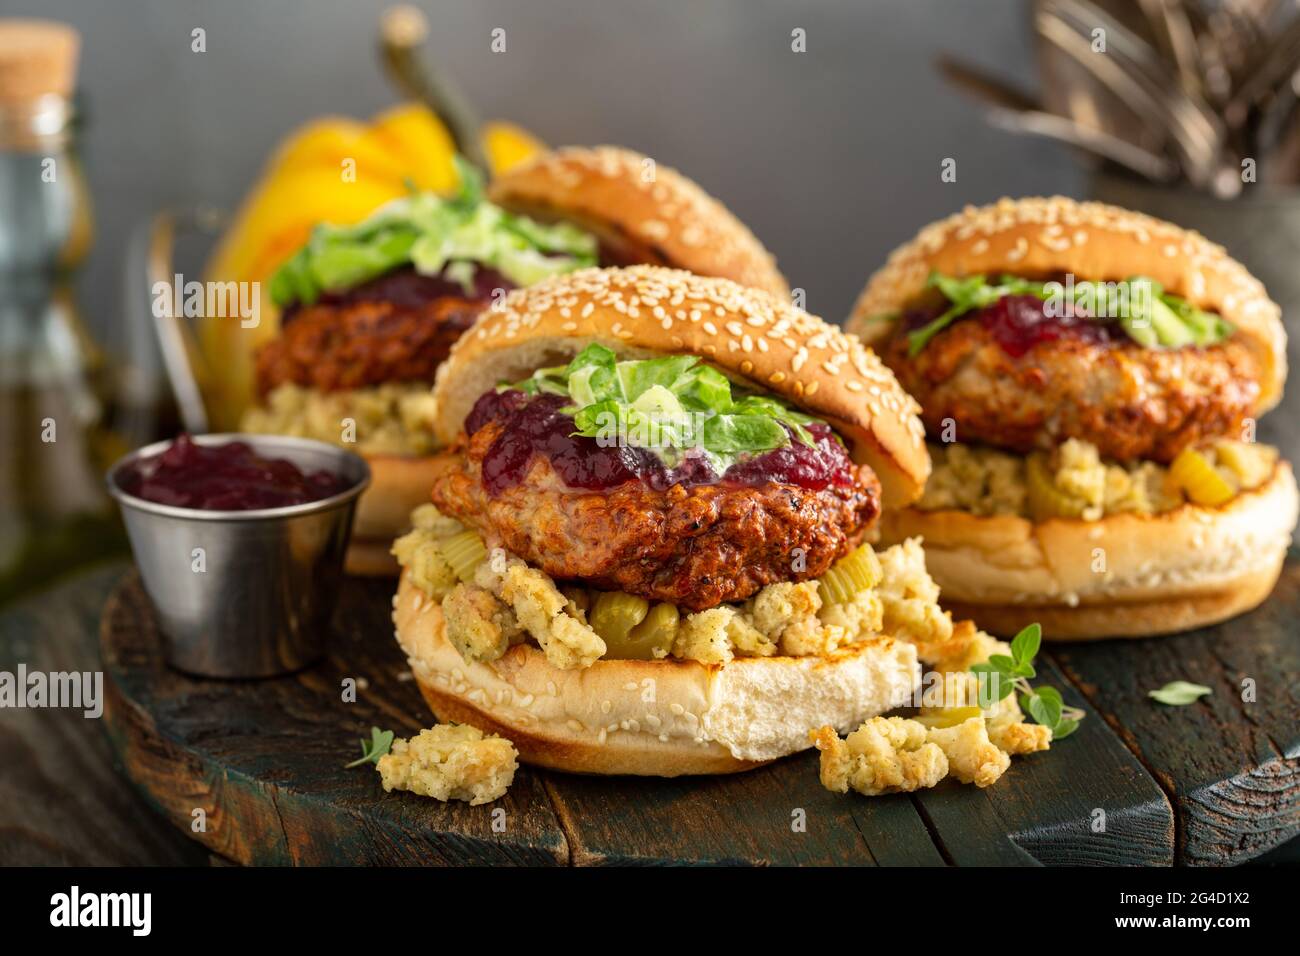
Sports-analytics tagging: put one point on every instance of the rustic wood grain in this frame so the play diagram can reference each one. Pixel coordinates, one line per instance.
(222, 746)
(778, 815)
(63, 799)
(1041, 812)
(1044, 810)
(264, 760)
(1231, 767)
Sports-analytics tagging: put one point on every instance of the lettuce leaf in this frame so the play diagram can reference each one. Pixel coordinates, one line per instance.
(435, 235)
(1148, 315)
(673, 406)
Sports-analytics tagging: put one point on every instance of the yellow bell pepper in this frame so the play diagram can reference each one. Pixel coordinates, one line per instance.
(1194, 474)
(335, 170)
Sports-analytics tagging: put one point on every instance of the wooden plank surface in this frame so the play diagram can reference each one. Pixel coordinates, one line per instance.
(1042, 811)
(777, 815)
(1231, 766)
(264, 760)
(1086, 801)
(62, 800)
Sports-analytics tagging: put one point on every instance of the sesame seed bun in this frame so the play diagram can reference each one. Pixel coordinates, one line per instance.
(652, 718)
(643, 211)
(1162, 573)
(750, 336)
(1093, 241)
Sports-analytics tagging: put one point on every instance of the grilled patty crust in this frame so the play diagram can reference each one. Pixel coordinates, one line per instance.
(695, 547)
(1131, 402)
(332, 347)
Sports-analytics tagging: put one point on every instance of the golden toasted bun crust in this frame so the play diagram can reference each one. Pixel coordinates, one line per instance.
(651, 718)
(398, 485)
(1132, 619)
(1044, 237)
(625, 197)
(748, 335)
(1126, 575)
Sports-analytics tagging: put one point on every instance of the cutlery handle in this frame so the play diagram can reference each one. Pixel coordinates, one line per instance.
(181, 355)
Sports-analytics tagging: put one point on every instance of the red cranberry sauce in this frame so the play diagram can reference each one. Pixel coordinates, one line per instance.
(1019, 322)
(535, 425)
(227, 477)
(408, 289)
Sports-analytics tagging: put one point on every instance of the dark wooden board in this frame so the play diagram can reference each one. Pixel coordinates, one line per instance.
(1079, 809)
(63, 798)
(1231, 767)
(264, 761)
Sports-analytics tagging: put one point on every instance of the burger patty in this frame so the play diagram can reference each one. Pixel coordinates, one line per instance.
(397, 327)
(695, 547)
(1131, 402)
(345, 346)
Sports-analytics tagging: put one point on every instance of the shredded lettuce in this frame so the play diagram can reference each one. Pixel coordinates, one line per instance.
(1150, 316)
(673, 406)
(435, 235)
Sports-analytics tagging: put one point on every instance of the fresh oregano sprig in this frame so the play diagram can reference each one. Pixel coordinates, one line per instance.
(374, 748)
(1004, 674)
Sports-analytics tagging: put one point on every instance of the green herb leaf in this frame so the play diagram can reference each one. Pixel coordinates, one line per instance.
(1045, 705)
(1179, 693)
(1003, 673)
(371, 750)
(995, 684)
(471, 181)
(1037, 709)
(1064, 728)
(1024, 646)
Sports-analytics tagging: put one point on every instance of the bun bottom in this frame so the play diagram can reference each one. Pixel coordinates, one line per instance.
(651, 718)
(1126, 575)
(1131, 619)
(398, 485)
(541, 750)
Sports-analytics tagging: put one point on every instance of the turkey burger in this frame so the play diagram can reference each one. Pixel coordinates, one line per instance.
(1090, 379)
(645, 548)
(371, 310)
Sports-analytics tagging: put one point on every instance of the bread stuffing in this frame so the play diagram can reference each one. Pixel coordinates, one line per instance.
(451, 762)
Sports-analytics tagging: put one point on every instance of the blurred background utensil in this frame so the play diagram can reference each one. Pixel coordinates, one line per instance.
(1207, 88)
(1014, 110)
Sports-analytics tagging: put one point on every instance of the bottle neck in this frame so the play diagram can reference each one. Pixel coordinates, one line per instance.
(39, 124)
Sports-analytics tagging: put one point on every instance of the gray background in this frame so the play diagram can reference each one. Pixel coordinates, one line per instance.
(832, 156)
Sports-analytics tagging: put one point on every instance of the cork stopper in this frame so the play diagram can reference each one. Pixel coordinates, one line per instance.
(37, 57)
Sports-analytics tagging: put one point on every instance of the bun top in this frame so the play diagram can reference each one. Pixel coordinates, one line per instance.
(751, 337)
(1046, 237)
(641, 210)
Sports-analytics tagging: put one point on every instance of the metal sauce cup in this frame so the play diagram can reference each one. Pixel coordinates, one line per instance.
(245, 593)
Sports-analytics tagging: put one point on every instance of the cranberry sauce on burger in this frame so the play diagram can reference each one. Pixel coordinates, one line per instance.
(1021, 313)
(662, 433)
